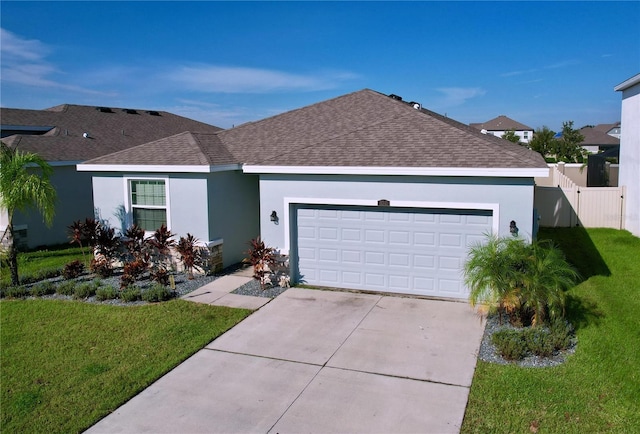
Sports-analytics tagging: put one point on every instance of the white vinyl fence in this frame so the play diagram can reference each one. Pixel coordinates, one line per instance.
(568, 204)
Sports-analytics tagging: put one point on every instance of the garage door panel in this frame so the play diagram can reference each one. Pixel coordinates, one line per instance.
(374, 236)
(450, 240)
(427, 239)
(405, 251)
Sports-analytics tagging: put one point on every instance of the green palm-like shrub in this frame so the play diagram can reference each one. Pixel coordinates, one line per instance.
(526, 281)
(544, 282)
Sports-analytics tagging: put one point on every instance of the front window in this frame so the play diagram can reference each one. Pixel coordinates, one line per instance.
(148, 203)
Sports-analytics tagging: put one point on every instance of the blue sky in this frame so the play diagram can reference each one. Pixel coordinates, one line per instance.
(226, 63)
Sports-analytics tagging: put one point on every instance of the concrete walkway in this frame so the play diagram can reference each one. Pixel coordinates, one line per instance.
(319, 361)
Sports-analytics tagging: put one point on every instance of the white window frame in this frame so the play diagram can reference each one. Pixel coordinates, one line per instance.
(129, 201)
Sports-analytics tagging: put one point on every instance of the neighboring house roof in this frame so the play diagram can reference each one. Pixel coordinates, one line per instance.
(605, 128)
(108, 129)
(594, 136)
(364, 128)
(501, 123)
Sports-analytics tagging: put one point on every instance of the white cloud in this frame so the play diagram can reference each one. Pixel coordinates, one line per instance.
(455, 96)
(24, 63)
(237, 79)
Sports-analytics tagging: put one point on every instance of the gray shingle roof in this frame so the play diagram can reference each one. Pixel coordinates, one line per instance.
(592, 137)
(108, 131)
(181, 149)
(364, 128)
(501, 123)
(367, 128)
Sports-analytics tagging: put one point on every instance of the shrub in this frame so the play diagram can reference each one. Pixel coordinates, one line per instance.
(16, 292)
(510, 344)
(160, 276)
(130, 293)
(509, 276)
(131, 272)
(561, 333)
(106, 293)
(157, 293)
(40, 275)
(45, 287)
(189, 254)
(538, 341)
(84, 290)
(262, 259)
(106, 242)
(73, 269)
(66, 288)
(101, 266)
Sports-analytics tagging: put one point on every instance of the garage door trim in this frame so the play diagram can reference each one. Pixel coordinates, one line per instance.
(289, 201)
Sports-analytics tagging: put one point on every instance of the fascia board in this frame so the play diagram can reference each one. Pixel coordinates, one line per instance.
(526, 172)
(156, 168)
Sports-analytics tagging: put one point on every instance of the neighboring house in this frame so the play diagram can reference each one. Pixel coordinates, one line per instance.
(630, 151)
(610, 129)
(362, 191)
(500, 125)
(68, 134)
(596, 140)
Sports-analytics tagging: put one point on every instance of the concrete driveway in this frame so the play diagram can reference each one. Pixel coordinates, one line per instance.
(320, 361)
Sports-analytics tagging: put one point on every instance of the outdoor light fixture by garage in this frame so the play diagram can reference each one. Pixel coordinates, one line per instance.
(513, 228)
(274, 217)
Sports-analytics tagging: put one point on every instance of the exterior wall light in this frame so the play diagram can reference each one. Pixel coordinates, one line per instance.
(274, 217)
(513, 228)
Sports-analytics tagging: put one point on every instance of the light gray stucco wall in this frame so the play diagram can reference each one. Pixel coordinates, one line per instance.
(630, 157)
(74, 202)
(213, 206)
(234, 212)
(186, 207)
(514, 196)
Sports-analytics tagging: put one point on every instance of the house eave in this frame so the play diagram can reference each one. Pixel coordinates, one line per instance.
(157, 168)
(628, 83)
(505, 172)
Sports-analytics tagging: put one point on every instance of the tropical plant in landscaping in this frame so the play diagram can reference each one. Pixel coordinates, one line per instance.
(525, 281)
(20, 188)
(544, 282)
(491, 273)
(262, 258)
(159, 245)
(187, 248)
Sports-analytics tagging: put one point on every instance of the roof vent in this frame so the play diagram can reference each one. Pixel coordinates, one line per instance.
(415, 105)
(130, 111)
(396, 97)
(104, 109)
(153, 113)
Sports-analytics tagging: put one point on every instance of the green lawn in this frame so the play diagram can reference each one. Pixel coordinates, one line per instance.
(65, 365)
(36, 263)
(598, 388)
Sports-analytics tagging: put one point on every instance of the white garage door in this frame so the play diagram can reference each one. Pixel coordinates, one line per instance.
(409, 251)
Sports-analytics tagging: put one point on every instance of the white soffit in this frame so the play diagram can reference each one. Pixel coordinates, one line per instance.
(403, 171)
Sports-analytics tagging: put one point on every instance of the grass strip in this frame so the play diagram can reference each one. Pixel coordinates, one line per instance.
(598, 388)
(66, 365)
